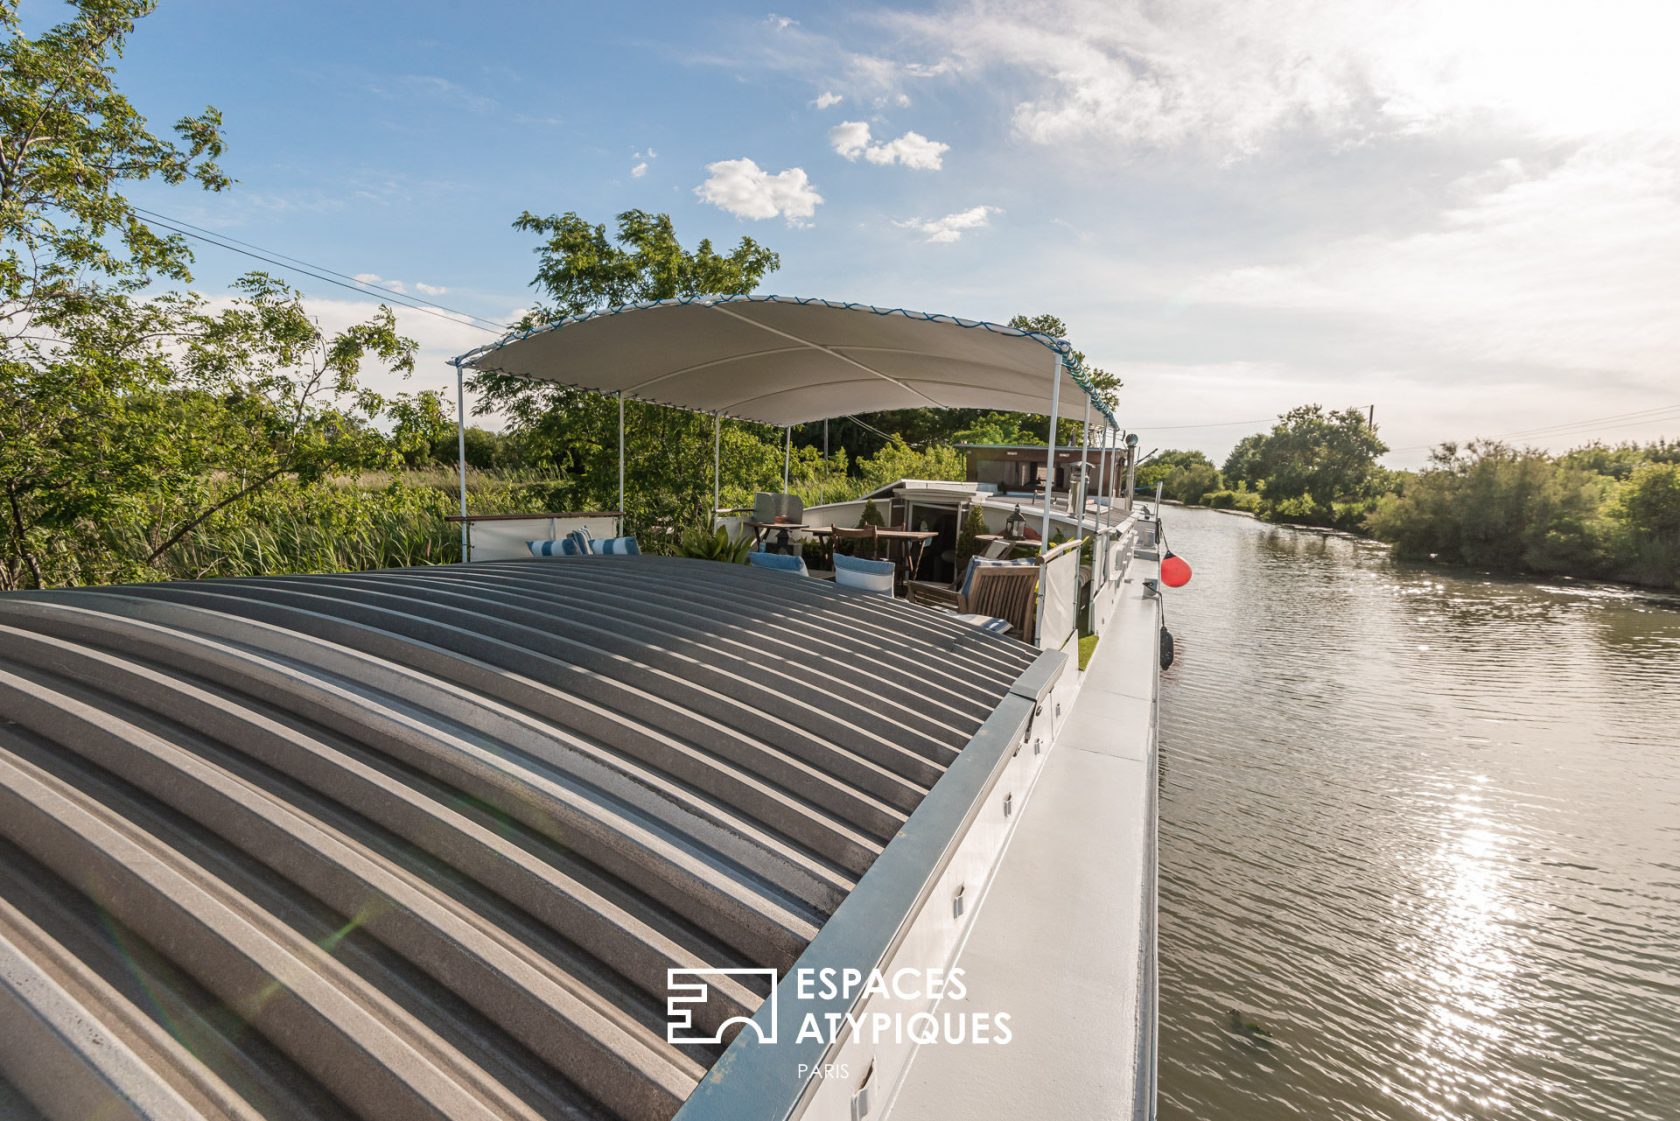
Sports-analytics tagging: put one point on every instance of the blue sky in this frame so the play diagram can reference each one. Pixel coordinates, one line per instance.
(1467, 213)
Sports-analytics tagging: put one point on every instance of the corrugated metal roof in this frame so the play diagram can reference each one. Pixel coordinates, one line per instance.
(423, 843)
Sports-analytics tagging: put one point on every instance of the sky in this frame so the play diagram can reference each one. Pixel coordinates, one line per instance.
(1463, 212)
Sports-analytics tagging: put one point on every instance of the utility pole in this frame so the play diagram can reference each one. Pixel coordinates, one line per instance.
(1371, 419)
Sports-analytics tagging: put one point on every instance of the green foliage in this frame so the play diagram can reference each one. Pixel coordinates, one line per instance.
(130, 422)
(973, 527)
(1191, 482)
(871, 516)
(1492, 506)
(1087, 647)
(1322, 457)
(1646, 524)
(715, 545)
(1162, 464)
(1232, 500)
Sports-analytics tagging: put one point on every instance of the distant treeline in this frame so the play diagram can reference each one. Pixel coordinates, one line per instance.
(1599, 511)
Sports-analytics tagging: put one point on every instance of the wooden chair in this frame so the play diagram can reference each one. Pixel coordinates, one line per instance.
(996, 589)
(857, 537)
(1005, 591)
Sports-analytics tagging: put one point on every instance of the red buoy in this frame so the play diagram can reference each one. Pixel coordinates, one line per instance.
(1175, 570)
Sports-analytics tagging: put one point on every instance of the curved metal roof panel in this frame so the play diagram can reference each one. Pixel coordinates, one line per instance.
(790, 360)
(422, 843)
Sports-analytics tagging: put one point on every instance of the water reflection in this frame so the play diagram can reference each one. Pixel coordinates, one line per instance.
(1425, 828)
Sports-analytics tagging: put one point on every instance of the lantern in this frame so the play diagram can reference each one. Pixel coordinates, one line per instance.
(1175, 570)
(1014, 526)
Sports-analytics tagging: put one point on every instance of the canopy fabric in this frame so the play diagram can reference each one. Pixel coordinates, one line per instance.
(785, 360)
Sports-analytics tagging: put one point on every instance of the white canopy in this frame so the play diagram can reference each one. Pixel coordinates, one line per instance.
(783, 360)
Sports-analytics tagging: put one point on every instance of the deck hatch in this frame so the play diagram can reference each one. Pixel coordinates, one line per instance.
(424, 842)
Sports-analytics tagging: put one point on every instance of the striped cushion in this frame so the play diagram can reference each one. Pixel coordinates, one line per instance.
(987, 623)
(554, 547)
(871, 576)
(976, 562)
(615, 547)
(581, 538)
(780, 562)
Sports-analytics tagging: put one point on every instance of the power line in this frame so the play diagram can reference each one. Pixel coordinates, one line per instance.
(1215, 424)
(1548, 428)
(327, 275)
(1577, 427)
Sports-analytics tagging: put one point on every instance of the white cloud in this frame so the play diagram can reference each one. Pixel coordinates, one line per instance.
(639, 170)
(950, 228)
(430, 289)
(1233, 76)
(827, 100)
(1568, 267)
(382, 282)
(851, 139)
(748, 191)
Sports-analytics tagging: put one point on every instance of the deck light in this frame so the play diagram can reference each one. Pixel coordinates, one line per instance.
(1014, 526)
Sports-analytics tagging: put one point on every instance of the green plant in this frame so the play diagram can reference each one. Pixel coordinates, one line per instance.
(715, 545)
(973, 526)
(871, 516)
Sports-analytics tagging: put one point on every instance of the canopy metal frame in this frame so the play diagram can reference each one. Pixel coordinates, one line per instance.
(1062, 360)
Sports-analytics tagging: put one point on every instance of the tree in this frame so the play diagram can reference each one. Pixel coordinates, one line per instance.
(1319, 456)
(1190, 482)
(72, 254)
(1242, 466)
(1492, 506)
(129, 421)
(581, 268)
(1162, 465)
(1647, 513)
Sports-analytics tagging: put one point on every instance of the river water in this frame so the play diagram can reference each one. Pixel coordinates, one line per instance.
(1420, 829)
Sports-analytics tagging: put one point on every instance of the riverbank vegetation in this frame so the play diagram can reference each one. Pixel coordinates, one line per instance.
(1608, 512)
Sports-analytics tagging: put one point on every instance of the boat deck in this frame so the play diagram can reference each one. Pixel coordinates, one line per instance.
(1063, 941)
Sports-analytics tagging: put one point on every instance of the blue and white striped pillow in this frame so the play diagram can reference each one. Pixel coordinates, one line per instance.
(554, 547)
(615, 547)
(778, 562)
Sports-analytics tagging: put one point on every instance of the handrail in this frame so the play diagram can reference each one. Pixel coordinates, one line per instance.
(529, 517)
(1060, 550)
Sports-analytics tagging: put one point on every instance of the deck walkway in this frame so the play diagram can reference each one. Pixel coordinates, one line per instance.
(1059, 941)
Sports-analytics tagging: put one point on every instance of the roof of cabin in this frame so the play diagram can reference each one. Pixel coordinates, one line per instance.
(423, 842)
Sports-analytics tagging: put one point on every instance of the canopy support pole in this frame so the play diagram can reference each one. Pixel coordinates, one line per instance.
(787, 459)
(717, 468)
(1102, 477)
(1050, 455)
(1131, 475)
(621, 461)
(1084, 463)
(461, 452)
